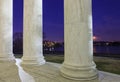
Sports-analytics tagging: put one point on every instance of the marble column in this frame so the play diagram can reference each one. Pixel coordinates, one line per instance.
(32, 43)
(78, 62)
(6, 30)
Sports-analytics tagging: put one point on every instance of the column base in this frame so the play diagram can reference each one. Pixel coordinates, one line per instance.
(33, 60)
(7, 58)
(79, 73)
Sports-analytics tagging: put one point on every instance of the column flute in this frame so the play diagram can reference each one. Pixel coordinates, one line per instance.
(78, 62)
(32, 43)
(6, 30)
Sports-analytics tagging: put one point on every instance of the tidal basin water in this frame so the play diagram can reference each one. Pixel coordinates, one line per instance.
(107, 49)
(99, 49)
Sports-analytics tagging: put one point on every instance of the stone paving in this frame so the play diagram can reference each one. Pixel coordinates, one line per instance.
(9, 72)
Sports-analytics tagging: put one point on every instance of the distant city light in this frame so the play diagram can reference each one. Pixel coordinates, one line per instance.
(94, 38)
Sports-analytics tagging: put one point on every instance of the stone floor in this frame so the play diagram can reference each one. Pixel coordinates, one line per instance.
(10, 72)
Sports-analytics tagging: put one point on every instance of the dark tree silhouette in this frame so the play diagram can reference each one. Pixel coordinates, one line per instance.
(44, 35)
(18, 43)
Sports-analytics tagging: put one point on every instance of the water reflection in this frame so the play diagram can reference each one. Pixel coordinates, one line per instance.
(25, 77)
(107, 49)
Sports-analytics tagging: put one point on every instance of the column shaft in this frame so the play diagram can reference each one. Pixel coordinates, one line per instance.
(6, 30)
(78, 63)
(32, 50)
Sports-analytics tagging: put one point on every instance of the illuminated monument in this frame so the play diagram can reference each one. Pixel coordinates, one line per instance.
(78, 63)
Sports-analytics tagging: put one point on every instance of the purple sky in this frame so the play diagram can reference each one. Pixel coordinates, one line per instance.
(106, 19)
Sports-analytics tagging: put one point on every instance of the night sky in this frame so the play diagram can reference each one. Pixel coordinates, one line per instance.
(106, 19)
